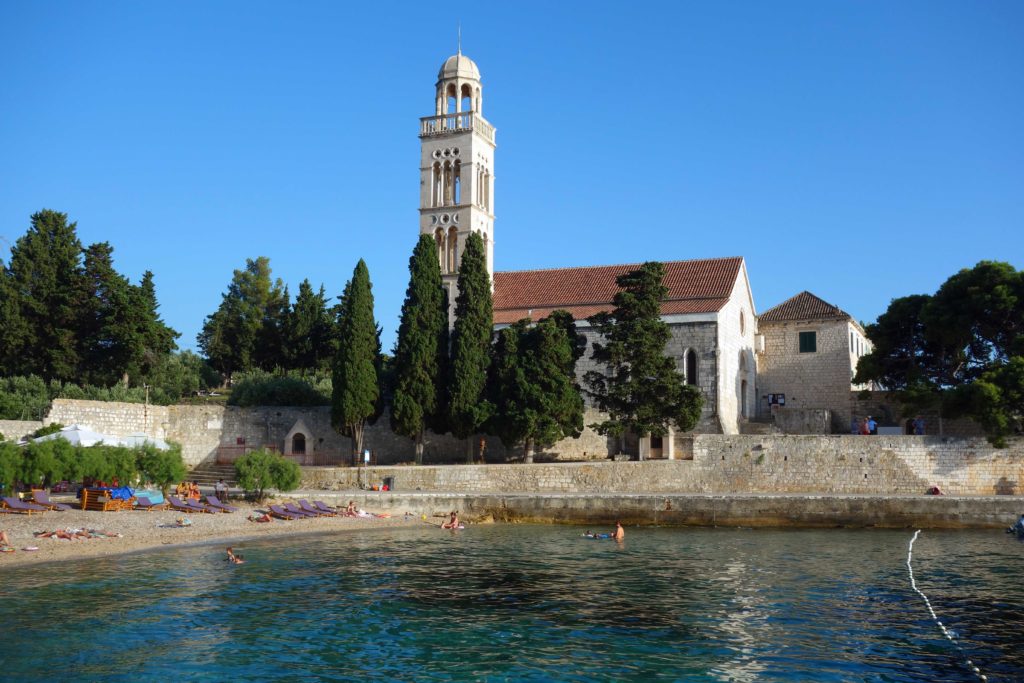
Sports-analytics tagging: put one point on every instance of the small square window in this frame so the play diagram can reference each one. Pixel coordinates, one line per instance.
(808, 342)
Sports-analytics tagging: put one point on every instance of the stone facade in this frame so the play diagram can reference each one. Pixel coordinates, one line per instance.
(817, 380)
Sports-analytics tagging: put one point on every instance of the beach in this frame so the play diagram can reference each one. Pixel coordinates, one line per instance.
(135, 531)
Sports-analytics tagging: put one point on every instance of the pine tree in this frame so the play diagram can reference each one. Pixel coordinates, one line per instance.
(42, 305)
(533, 384)
(158, 339)
(640, 390)
(468, 408)
(271, 339)
(421, 350)
(356, 388)
(310, 335)
(231, 335)
(109, 337)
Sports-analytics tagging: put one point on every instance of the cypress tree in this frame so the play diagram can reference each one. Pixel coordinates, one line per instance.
(534, 390)
(356, 388)
(640, 390)
(468, 407)
(109, 337)
(418, 366)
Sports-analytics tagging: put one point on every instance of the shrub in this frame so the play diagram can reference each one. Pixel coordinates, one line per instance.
(261, 470)
(258, 388)
(163, 468)
(47, 429)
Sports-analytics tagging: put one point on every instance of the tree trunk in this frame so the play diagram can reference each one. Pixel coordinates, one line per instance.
(528, 452)
(419, 447)
(469, 450)
(357, 444)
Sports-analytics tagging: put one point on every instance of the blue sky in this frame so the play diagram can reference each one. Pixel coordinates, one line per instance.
(860, 150)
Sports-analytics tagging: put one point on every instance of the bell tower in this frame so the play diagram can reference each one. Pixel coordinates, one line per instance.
(457, 170)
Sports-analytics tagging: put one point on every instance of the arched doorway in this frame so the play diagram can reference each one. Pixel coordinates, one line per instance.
(299, 444)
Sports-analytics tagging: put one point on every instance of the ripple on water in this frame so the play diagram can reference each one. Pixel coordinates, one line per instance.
(531, 603)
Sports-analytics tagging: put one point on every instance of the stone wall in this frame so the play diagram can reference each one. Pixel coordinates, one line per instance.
(734, 464)
(15, 430)
(115, 419)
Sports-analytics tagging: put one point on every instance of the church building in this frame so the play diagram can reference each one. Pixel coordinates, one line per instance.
(709, 307)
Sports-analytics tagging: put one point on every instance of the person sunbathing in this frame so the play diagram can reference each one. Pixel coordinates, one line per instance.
(351, 511)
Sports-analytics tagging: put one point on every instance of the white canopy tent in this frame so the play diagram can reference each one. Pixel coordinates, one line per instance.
(80, 436)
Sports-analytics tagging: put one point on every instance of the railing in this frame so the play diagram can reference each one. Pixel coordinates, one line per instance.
(455, 123)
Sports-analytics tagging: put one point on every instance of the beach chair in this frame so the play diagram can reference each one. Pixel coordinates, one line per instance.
(11, 504)
(215, 503)
(295, 510)
(306, 507)
(177, 504)
(281, 513)
(324, 507)
(143, 503)
(40, 497)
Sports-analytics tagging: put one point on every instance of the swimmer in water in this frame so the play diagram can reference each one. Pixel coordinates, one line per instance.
(453, 521)
(620, 533)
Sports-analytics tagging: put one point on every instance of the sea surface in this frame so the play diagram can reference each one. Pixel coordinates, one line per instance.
(531, 603)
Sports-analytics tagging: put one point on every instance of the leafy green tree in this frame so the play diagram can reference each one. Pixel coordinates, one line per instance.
(959, 351)
(272, 337)
(42, 308)
(356, 385)
(162, 467)
(45, 430)
(10, 466)
(533, 385)
(640, 388)
(468, 407)
(232, 335)
(158, 341)
(418, 367)
(261, 470)
(312, 342)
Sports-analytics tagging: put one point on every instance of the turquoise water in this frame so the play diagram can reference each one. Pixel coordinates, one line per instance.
(528, 603)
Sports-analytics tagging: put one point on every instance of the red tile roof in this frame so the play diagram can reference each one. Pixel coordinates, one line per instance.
(803, 306)
(698, 286)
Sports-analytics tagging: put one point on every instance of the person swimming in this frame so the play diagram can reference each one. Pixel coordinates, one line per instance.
(453, 521)
(620, 533)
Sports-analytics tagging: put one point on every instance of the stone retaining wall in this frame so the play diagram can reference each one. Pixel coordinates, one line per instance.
(14, 430)
(747, 510)
(732, 464)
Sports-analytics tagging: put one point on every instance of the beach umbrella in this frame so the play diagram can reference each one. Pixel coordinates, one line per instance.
(79, 436)
(141, 439)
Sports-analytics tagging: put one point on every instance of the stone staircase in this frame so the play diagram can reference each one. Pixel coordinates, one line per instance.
(207, 474)
(759, 426)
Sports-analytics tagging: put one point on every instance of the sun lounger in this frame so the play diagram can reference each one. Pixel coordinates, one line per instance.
(41, 497)
(306, 507)
(143, 503)
(295, 510)
(278, 511)
(178, 504)
(324, 507)
(215, 503)
(11, 504)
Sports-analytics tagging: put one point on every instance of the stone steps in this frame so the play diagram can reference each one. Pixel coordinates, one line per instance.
(206, 475)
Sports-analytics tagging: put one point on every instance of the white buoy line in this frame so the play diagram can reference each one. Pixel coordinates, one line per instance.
(928, 603)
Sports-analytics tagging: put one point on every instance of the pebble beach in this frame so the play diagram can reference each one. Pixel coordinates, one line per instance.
(133, 531)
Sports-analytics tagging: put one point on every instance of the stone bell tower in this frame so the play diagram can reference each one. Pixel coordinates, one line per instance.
(457, 170)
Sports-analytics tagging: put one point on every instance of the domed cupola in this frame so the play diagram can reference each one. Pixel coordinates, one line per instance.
(458, 86)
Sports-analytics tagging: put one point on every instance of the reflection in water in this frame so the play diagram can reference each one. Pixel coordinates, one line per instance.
(530, 603)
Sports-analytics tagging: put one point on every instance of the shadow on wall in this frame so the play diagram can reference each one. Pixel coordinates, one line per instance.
(1005, 487)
